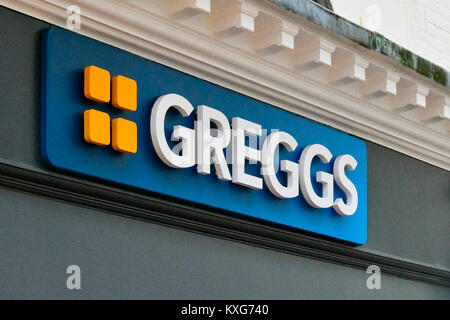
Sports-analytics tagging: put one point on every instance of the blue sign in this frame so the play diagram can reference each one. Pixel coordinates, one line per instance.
(106, 113)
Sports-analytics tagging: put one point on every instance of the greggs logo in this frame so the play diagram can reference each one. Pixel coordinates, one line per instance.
(98, 124)
(202, 148)
(186, 138)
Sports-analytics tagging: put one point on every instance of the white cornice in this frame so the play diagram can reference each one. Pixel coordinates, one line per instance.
(188, 45)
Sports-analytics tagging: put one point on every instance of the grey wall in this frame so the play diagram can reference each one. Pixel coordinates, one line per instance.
(408, 219)
(124, 258)
(408, 207)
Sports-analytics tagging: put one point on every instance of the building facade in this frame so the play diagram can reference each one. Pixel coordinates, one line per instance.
(303, 63)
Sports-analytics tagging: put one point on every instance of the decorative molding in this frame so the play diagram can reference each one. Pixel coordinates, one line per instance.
(347, 69)
(187, 8)
(438, 110)
(314, 53)
(274, 35)
(205, 221)
(231, 18)
(190, 44)
(411, 96)
(380, 83)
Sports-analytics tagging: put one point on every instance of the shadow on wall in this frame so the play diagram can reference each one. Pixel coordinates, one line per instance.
(325, 3)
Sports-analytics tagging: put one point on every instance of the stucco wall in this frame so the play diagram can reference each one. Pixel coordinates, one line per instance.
(422, 26)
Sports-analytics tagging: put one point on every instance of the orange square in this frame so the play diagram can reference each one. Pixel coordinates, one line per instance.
(96, 127)
(97, 84)
(124, 93)
(124, 135)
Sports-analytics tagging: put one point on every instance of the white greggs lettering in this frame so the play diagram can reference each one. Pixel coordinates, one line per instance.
(199, 144)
